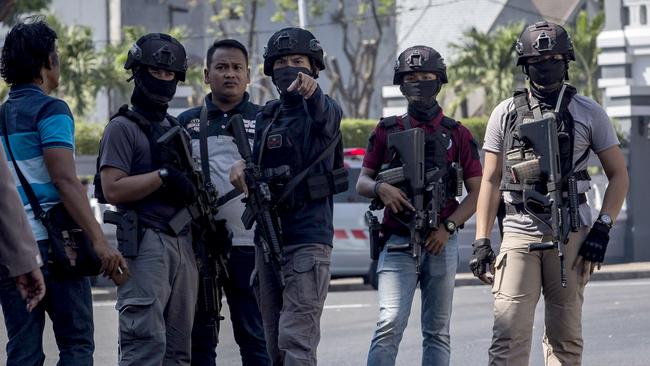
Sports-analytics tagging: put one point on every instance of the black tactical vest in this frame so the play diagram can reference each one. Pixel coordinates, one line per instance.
(153, 209)
(516, 151)
(285, 152)
(435, 151)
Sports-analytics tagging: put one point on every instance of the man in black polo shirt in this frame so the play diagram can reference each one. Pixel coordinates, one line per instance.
(227, 74)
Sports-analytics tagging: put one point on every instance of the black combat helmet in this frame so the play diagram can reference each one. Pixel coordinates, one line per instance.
(292, 41)
(543, 38)
(158, 50)
(420, 59)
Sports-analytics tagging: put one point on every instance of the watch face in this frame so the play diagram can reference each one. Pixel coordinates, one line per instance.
(450, 226)
(605, 219)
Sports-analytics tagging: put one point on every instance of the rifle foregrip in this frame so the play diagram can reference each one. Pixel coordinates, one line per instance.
(532, 247)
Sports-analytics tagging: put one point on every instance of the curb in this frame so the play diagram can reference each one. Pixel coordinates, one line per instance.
(613, 273)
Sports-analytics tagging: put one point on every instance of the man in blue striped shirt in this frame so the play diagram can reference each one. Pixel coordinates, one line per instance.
(40, 130)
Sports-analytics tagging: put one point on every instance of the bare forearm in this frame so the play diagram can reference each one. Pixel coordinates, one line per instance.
(486, 208)
(465, 210)
(74, 198)
(366, 186)
(132, 188)
(615, 195)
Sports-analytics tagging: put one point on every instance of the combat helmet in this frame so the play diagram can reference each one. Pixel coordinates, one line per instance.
(292, 41)
(158, 50)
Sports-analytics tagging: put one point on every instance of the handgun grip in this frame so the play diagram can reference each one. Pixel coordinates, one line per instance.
(532, 247)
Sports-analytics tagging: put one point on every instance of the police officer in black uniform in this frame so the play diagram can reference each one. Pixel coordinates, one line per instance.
(145, 181)
(290, 134)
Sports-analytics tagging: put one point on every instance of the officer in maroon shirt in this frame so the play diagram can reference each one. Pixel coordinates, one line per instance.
(420, 72)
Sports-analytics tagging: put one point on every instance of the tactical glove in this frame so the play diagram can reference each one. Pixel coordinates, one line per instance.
(178, 184)
(594, 247)
(482, 257)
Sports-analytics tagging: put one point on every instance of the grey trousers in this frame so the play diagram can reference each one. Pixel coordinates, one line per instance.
(291, 316)
(156, 305)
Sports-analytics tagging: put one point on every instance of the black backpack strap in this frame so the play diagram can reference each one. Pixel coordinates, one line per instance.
(390, 124)
(297, 179)
(203, 143)
(29, 192)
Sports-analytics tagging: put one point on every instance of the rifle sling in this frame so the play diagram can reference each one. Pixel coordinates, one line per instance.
(203, 143)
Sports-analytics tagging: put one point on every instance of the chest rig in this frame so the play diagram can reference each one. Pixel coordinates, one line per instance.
(517, 173)
(152, 131)
(435, 152)
(295, 174)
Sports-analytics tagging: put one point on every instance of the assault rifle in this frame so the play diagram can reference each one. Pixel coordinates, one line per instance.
(541, 135)
(259, 205)
(214, 243)
(408, 146)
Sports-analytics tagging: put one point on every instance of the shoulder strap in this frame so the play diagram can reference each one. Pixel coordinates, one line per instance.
(390, 124)
(276, 114)
(203, 143)
(293, 183)
(29, 192)
(452, 125)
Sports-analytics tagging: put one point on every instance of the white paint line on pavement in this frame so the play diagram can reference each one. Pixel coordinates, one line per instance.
(347, 306)
(106, 303)
(617, 284)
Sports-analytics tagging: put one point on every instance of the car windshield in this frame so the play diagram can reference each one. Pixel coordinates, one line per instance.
(351, 195)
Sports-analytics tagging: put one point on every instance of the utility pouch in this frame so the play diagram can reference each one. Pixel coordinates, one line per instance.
(458, 176)
(127, 231)
(324, 185)
(376, 242)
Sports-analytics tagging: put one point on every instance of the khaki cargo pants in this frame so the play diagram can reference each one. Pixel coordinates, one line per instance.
(519, 278)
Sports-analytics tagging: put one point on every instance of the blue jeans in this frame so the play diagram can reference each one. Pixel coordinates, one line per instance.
(244, 315)
(397, 284)
(68, 302)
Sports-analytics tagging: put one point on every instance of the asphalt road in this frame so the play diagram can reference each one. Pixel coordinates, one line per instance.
(616, 317)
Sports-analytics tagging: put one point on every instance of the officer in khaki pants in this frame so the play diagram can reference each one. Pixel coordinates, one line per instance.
(544, 52)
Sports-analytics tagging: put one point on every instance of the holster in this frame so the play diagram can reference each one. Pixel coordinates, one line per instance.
(127, 231)
(376, 238)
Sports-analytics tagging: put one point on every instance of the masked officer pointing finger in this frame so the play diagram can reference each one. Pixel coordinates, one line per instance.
(297, 145)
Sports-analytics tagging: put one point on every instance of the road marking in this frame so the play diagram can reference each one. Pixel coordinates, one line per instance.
(106, 303)
(618, 284)
(347, 306)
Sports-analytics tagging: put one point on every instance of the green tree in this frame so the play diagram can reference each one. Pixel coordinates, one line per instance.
(484, 61)
(584, 71)
(10, 10)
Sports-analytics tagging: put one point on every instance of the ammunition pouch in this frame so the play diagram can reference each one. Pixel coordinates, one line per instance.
(127, 233)
(327, 184)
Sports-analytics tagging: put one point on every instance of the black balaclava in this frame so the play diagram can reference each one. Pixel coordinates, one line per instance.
(152, 95)
(547, 73)
(283, 77)
(421, 96)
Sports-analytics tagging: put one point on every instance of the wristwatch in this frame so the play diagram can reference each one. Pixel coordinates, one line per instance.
(450, 226)
(606, 220)
(163, 173)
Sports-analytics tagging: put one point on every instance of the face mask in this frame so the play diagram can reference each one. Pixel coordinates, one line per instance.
(547, 73)
(283, 77)
(156, 90)
(421, 93)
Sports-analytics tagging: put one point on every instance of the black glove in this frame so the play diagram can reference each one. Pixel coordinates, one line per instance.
(594, 247)
(482, 257)
(178, 184)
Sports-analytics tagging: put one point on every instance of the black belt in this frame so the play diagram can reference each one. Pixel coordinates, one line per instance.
(518, 208)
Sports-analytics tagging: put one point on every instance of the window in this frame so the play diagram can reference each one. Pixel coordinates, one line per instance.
(643, 15)
(626, 16)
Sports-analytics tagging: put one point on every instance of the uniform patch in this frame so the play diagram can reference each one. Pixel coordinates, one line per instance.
(274, 141)
(249, 125)
(194, 125)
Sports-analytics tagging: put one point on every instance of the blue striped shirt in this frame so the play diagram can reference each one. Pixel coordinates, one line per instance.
(36, 121)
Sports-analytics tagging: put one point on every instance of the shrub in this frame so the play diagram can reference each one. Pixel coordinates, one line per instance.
(356, 131)
(86, 137)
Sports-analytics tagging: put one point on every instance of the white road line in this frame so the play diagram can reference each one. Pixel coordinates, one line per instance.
(617, 284)
(347, 306)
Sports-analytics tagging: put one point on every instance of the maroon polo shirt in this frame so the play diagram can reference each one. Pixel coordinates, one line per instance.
(377, 154)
